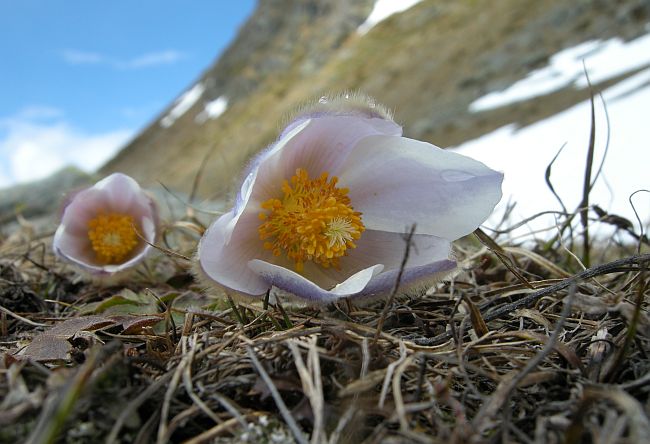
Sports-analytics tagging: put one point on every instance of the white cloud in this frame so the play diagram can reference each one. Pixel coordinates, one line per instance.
(155, 58)
(150, 59)
(76, 57)
(31, 148)
(39, 112)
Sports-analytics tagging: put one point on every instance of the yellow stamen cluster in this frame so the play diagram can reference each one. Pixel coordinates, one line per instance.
(314, 221)
(112, 237)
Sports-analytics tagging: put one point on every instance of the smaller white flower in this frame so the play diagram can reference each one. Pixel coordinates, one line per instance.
(100, 226)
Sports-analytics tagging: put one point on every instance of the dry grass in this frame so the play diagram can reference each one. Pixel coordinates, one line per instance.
(522, 346)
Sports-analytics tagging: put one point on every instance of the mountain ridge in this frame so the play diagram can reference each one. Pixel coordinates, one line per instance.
(427, 64)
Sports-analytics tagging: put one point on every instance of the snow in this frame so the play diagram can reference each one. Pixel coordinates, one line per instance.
(213, 109)
(384, 9)
(604, 60)
(523, 155)
(182, 105)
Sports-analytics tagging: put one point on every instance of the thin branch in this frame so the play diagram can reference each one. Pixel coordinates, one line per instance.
(20, 318)
(398, 280)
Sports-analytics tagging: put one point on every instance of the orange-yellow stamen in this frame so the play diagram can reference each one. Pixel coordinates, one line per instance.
(314, 221)
(112, 237)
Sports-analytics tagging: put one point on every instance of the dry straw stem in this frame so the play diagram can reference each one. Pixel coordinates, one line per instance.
(312, 384)
(398, 279)
(284, 411)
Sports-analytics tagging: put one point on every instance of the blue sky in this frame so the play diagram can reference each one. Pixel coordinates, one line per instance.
(79, 78)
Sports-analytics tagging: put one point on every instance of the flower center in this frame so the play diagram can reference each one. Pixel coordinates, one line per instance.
(314, 221)
(112, 237)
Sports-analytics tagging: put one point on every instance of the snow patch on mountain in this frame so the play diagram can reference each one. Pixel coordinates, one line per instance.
(603, 59)
(213, 109)
(523, 155)
(182, 105)
(384, 9)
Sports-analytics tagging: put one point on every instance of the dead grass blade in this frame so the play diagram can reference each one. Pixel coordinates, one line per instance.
(135, 404)
(479, 325)
(586, 187)
(284, 411)
(539, 260)
(312, 385)
(642, 236)
(547, 178)
(407, 250)
(633, 326)
(484, 418)
(501, 255)
(635, 423)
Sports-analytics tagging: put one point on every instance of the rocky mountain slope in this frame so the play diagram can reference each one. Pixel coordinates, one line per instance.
(427, 63)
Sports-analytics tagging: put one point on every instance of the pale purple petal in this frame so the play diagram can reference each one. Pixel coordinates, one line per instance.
(395, 182)
(120, 191)
(226, 249)
(382, 284)
(142, 251)
(318, 145)
(81, 210)
(72, 247)
(250, 176)
(380, 247)
(306, 290)
(388, 248)
(124, 195)
(378, 120)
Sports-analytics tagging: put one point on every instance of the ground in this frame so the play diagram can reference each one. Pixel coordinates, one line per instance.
(523, 345)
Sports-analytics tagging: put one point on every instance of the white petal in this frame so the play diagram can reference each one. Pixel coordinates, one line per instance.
(120, 191)
(306, 290)
(72, 247)
(84, 207)
(395, 182)
(382, 284)
(127, 264)
(388, 248)
(225, 250)
(318, 145)
(250, 176)
(374, 248)
(380, 247)
(148, 229)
